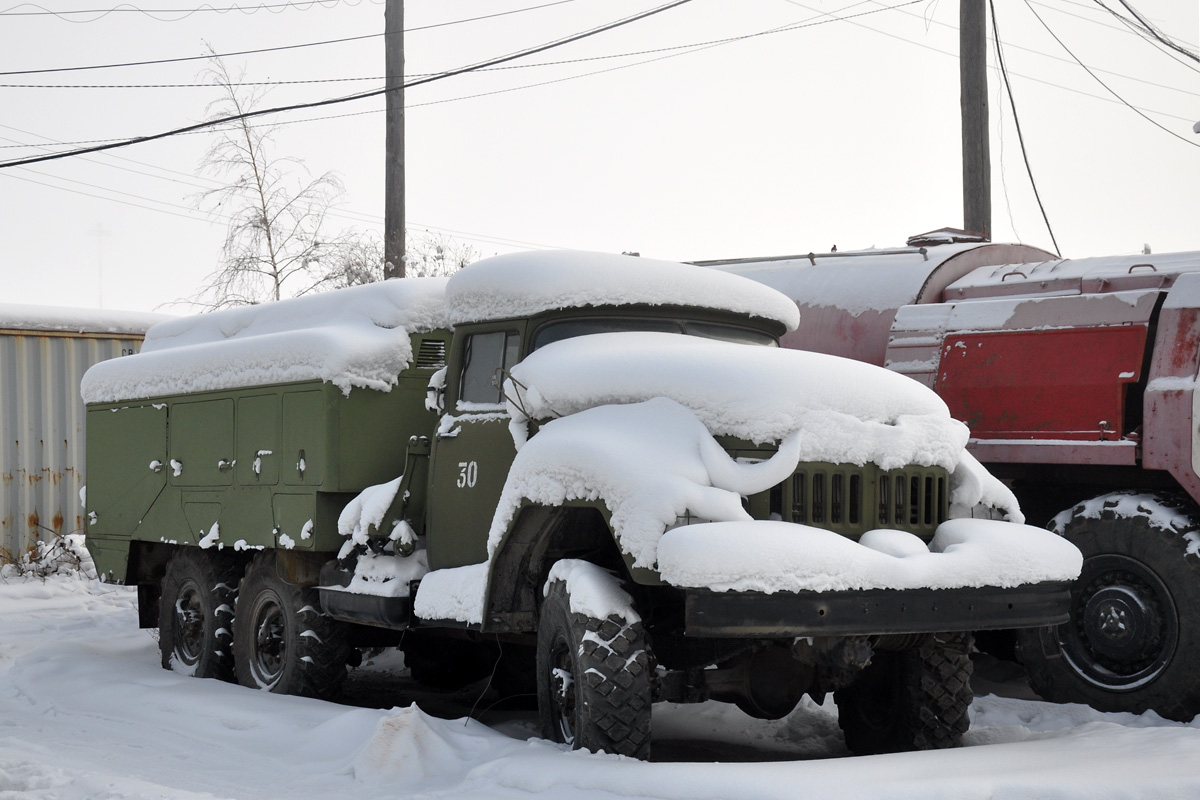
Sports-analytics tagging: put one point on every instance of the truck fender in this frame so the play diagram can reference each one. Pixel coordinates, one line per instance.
(539, 536)
(1171, 414)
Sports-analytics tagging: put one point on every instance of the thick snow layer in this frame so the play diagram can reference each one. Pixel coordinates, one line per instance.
(522, 284)
(455, 593)
(366, 509)
(86, 713)
(593, 591)
(14, 316)
(651, 462)
(385, 574)
(845, 411)
(356, 337)
(783, 557)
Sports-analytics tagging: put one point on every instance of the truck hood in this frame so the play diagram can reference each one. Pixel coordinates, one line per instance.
(843, 411)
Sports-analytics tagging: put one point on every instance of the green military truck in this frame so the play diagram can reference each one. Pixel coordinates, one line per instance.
(595, 476)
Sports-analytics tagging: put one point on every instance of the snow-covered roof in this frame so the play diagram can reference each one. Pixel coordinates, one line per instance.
(64, 319)
(350, 337)
(522, 284)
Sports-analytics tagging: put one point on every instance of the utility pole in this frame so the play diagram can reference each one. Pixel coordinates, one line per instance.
(393, 178)
(973, 101)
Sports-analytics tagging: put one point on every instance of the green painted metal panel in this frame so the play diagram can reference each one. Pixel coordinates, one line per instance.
(201, 443)
(258, 440)
(126, 462)
(305, 438)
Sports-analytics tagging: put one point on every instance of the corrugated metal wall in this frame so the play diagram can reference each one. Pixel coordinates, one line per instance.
(41, 432)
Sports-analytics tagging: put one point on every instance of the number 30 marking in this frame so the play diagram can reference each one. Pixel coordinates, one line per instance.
(468, 473)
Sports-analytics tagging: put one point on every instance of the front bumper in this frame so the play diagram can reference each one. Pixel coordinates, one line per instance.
(874, 611)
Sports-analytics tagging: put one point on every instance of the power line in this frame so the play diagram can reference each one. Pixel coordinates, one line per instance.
(1102, 83)
(1012, 46)
(185, 12)
(363, 95)
(955, 56)
(193, 58)
(283, 47)
(1017, 122)
(1150, 34)
(1152, 30)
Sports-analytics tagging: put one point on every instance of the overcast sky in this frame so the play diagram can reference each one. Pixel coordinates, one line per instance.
(845, 132)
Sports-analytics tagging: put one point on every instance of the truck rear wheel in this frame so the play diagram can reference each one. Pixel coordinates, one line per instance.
(282, 642)
(195, 614)
(1129, 645)
(593, 679)
(916, 699)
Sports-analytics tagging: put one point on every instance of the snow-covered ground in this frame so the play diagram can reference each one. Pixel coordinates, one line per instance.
(86, 712)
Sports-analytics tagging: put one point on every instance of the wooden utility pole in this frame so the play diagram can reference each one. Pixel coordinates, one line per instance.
(393, 179)
(973, 100)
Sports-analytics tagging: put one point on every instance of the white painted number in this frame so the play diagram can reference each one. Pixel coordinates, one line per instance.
(468, 473)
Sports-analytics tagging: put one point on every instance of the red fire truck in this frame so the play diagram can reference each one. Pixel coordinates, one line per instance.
(1078, 379)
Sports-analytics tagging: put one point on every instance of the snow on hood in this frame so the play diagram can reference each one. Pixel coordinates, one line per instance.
(846, 412)
(349, 337)
(522, 284)
(651, 462)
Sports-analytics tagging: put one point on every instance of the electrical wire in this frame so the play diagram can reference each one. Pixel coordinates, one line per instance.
(1017, 123)
(65, 16)
(284, 47)
(1144, 33)
(954, 55)
(1152, 30)
(363, 95)
(1060, 59)
(1102, 83)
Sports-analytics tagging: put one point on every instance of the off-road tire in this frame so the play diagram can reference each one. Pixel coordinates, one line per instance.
(1133, 642)
(281, 641)
(916, 699)
(606, 704)
(195, 614)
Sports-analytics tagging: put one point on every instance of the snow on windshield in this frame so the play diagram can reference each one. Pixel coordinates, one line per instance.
(522, 284)
(846, 412)
(352, 337)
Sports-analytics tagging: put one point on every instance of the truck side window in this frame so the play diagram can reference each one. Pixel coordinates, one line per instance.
(486, 353)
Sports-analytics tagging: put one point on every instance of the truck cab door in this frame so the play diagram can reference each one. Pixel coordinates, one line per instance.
(472, 449)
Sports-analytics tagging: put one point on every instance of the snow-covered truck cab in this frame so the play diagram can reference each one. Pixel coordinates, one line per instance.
(623, 492)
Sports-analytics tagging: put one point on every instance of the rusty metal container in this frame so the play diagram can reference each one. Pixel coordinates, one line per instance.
(44, 352)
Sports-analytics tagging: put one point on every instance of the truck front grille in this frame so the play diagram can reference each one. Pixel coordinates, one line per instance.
(852, 500)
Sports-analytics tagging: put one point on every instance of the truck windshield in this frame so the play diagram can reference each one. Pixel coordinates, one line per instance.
(570, 328)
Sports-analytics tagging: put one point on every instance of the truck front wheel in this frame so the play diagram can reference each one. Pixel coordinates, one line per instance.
(593, 679)
(282, 642)
(195, 614)
(915, 699)
(1129, 645)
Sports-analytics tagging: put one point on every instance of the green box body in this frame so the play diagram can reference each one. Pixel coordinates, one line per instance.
(270, 466)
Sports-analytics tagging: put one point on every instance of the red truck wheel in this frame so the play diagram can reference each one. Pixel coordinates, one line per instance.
(1133, 639)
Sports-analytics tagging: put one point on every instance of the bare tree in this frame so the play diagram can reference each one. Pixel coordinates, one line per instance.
(427, 254)
(276, 244)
